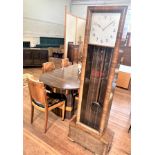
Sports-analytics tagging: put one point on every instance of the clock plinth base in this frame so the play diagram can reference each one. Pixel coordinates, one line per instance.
(99, 145)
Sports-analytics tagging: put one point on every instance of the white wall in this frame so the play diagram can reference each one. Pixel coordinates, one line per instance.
(43, 18)
(75, 31)
(79, 8)
(70, 31)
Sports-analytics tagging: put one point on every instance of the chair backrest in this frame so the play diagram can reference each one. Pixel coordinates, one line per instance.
(37, 91)
(65, 62)
(48, 66)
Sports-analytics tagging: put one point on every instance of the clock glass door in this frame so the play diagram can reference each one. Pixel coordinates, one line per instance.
(104, 27)
(95, 82)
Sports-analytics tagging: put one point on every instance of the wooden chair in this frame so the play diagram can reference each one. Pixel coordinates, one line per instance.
(25, 78)
(43, 101)
(47, 66)
(65, 62)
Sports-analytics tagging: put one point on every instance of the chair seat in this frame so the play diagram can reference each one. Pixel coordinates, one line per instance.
(53, 98)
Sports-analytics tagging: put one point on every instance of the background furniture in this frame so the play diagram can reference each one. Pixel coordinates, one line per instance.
(56, 61)
(43, 101)
(47, 66)
(65, 62)
(126, 56)
(69, 52)
(128, 40)
(124, 76)
(56, 52)
(34, 56)
(65, 80)
(74, 54)
(126, 47)
(51, 50)
(46, 42)
(26, 44)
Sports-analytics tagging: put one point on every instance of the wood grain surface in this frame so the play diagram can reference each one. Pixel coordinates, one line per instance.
(64, 78)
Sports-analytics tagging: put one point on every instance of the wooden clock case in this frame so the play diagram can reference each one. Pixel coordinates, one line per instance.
(89, 126)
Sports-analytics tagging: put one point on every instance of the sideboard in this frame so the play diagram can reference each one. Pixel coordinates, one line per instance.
(34, 56)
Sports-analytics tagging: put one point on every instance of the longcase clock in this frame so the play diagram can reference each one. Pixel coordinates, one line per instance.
(103, 34)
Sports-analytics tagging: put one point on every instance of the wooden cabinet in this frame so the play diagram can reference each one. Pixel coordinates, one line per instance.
(76, 54)
(27, 57)
(34, 56)
(73, 53)
(126, 56)
(126, 47)
(124, 76)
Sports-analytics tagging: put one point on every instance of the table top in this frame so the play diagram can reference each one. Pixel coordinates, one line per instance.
(63, 78)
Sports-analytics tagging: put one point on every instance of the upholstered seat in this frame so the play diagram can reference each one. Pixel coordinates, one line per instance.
(53, 98)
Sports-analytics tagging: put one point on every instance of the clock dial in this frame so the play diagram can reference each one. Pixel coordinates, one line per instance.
(104, 27)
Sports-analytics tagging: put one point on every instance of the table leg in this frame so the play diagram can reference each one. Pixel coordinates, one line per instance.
(69, 105)
(69, 112)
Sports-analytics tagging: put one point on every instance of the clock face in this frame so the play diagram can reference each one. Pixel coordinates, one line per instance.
(104, 27)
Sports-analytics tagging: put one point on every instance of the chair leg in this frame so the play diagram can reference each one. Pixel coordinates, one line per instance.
(63, 111)
(46, 120)
(32, 113)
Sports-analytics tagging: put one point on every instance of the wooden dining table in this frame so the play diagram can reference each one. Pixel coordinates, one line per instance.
(67, 81)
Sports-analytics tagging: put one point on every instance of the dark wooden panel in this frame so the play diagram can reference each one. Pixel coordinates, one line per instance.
(34, 56)
(76, 53)
(126, 56)
(95, 83)
(70, 53)
(43, 56)
(73, 53)
(27, 57)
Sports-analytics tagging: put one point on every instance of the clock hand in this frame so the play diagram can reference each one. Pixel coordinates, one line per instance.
(97, 25)
(107, 26)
